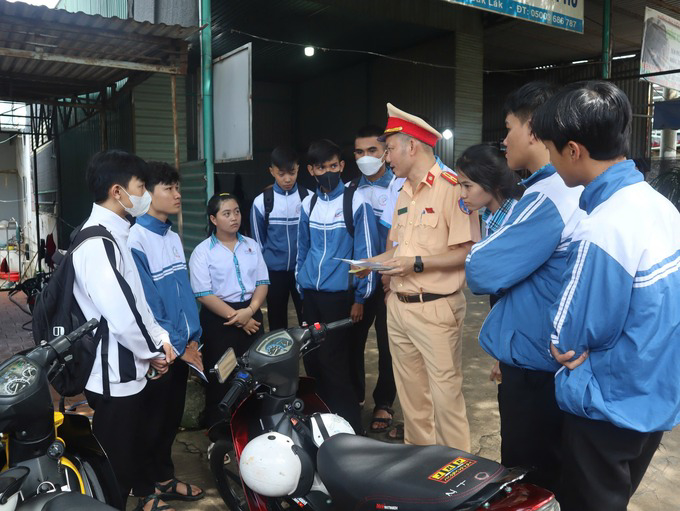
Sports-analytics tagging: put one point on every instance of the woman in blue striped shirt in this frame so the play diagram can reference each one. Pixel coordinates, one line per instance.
(488, 183)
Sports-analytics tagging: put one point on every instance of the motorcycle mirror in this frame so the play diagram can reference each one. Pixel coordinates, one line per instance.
(11, 481)
(225, 365)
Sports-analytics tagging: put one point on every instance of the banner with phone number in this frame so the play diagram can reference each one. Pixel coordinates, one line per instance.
(564, 14)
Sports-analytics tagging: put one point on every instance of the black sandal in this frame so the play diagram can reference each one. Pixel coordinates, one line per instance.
(156, 499)
(168, 491)
(384, 423)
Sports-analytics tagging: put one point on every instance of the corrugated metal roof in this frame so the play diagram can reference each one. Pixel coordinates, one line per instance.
(51, 53)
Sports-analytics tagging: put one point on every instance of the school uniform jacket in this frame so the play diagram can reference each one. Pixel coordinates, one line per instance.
(159, 256)
(524, 261)
(324, 237)
(278, 240)
(377, 193)
(620, 299)
(134, 335)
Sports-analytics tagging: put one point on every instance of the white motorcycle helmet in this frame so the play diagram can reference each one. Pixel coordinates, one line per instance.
(325, 425)
(272, 465)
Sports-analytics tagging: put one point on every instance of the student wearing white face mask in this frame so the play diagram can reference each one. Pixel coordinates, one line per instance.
(374, 182)
(107, 287)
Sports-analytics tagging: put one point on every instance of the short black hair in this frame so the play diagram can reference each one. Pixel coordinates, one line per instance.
(595, 114)
(284, 158)
(322, 151)
(161, 172)
(370, 130)
(486, 165)
(523, 102)
(113, 167)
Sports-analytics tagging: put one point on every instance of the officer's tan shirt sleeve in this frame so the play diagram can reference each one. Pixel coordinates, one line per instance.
(462, 227)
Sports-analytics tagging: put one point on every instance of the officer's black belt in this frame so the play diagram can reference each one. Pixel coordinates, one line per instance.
(419, 298)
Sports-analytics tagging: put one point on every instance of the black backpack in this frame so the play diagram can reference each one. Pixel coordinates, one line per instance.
(268, 196)
(347, 197)
(57, 312)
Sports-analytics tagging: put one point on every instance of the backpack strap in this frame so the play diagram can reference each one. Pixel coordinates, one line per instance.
(302, 192)
(347, 197)
(268, 196)
(312, 203)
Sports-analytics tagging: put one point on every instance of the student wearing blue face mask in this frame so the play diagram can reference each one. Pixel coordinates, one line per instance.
(375, 181)
(335, 222)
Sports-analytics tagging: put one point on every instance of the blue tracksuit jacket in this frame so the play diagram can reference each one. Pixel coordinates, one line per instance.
(324, 237)
(278, 240)
(158, 254)
(525, 261)
(620, 299)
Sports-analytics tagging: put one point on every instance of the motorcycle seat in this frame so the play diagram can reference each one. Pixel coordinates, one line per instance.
(63, 501)
(363, 474)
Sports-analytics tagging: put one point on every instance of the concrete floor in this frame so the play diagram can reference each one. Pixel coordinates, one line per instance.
(657, 492)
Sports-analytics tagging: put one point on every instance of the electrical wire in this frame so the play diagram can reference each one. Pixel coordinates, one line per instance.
(10, 138)
(401, 59)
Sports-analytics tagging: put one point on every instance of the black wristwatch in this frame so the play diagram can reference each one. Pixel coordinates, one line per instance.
(418, 265)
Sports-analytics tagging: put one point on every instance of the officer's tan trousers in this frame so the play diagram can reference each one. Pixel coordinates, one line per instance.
(426, 348)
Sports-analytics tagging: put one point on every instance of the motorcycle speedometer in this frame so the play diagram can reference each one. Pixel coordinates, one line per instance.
(275, 345)
(17, 376)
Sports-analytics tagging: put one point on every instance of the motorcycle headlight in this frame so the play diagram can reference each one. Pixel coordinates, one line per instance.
(17, 376)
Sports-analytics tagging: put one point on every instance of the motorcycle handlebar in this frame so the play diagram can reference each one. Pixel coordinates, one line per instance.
(64, 342)
(234, 394)
(336, 325)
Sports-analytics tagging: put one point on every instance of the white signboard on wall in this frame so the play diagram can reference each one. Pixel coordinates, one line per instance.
(232, 105)
(564, 14)
(661, 48)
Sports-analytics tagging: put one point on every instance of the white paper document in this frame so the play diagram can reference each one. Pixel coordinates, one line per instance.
(368, 265)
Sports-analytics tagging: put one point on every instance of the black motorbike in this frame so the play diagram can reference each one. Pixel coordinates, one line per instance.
(268, 405)
(51, 460)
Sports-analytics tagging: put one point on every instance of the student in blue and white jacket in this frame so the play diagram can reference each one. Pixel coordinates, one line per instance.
(616, 322)
(276, 233)
(524, 262)
(159, 256)
(328, 290)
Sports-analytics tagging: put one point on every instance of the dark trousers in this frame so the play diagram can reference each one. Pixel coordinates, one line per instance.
(531, 424)
(282, 284)
(216, 339)
(119, 423)
(602, 464)
(331, 364)
(163, 407)
(375, 311)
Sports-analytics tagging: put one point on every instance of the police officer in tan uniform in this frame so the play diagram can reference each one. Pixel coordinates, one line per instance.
(426, 307)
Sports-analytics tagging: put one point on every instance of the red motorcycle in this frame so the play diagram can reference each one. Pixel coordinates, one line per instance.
(281, 449)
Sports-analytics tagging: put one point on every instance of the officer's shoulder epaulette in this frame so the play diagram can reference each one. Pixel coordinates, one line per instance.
(450, 176)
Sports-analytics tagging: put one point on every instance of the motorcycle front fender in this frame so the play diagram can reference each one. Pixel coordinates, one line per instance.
(81, 444)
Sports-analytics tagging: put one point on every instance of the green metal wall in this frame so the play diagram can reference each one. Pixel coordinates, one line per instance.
(76, 146)
(194, 217)
(106, 8)
(152, 103)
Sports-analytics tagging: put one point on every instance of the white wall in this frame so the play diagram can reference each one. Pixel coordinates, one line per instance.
(48, 222)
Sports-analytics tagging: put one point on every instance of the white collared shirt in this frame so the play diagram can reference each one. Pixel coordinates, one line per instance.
(231, 276)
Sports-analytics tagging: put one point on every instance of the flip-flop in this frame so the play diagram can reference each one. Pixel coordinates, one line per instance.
(168, 491)
(398, 433)
(383, 422)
